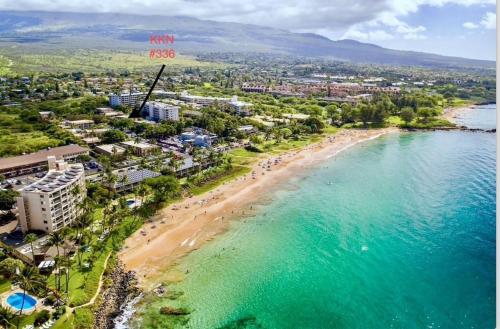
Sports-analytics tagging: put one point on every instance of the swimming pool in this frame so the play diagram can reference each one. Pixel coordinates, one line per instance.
(16, 301)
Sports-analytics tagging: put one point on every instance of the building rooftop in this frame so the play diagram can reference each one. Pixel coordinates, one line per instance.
(40, 156)
(110, 147)
(56, 179)
(76, 122)
(138, 145)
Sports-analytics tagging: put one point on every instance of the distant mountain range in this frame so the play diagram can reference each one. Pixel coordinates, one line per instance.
(56, 30)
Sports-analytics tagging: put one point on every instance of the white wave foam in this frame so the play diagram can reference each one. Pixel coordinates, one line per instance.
(127, 311)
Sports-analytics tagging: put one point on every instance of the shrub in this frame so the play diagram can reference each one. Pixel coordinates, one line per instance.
(59, 312)
(42, 317)
(51, 299)
(252, 148)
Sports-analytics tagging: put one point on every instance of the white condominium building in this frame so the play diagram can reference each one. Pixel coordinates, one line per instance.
(126, 99)
(242, 108)
(52, 202)
(157, 111)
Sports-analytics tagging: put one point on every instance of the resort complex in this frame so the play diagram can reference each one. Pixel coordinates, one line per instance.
(235, 175)
(54, 201)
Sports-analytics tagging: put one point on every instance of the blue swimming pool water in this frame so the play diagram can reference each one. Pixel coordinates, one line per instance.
(16, 301)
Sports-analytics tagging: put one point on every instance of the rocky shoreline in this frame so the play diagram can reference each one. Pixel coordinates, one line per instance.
(122, 288)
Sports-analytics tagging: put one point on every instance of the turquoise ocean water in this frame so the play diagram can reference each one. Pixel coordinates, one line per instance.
(398, 232)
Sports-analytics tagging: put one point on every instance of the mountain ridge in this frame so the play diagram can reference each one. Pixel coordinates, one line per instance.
(194, 36)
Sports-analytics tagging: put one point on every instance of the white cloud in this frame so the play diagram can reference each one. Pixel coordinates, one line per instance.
(389, 21)
(368, 19)
(470, 25)
(377, 35)
(489, 21)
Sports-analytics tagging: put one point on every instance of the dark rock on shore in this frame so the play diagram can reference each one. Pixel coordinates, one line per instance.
(123, 287)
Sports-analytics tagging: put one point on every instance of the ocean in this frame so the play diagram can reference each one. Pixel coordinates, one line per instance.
(397, 232)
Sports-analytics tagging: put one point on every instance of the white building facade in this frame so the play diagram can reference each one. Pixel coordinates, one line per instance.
(52, 202)
(157, 111)
(125, 99)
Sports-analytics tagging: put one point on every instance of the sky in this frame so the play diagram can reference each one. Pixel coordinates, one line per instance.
(465, 28)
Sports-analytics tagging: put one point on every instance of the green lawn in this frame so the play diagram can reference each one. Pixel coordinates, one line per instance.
(235, 172)
(243, 157)
(4, 285)
(83, 284)
(19, 143)
(82, 318)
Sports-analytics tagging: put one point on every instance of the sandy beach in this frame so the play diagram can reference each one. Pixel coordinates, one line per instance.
(185, 226)
(452, 113)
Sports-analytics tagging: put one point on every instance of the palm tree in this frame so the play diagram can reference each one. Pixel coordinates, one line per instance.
(66, 262)
(123, 180)
(28, 279)
(83, 221)
(6, 317)
(197, 157)
(81, 249)
(106, 213)
(30, 238)
(57, 277)
(175, 164)
(56, 239)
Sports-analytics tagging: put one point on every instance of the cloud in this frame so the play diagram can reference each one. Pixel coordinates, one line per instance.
(489, 21)
(391, 24)
(377, 35)
(470, 25)
(367, 19)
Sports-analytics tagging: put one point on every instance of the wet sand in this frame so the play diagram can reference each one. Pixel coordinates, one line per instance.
(452, 113)
(181, 228)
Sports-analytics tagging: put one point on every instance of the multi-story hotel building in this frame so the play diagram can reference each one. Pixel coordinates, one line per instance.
(126, 99)
(242, 108)
(157, 111)
(249, 88)
(52, 202)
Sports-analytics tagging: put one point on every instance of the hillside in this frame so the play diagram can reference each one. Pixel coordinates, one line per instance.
(41, 31)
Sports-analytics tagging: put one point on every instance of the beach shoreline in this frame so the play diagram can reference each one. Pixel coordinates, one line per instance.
(452, 113)
(184, 227)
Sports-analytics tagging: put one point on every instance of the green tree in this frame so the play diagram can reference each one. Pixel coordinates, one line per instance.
(365, 113)
(407, 115)
(7, 199)
(113, 136)
(28, 279)
(8, 267)
(424, 113)
(30, 238)
(315, 124)
(347, 114)
(6, 317)
(379, 112)
(163, 187)
(56, 239)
